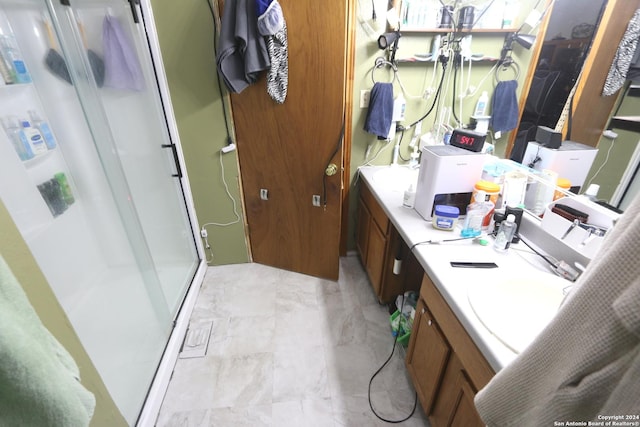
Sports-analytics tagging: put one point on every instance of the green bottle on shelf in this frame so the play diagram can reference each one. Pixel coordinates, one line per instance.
(65, 188)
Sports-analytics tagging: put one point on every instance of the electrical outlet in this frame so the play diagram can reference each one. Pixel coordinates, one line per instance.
(365, 94)
(315, 200)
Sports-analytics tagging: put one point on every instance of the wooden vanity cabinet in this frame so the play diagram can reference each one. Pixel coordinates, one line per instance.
(378, 243)
(456, 368)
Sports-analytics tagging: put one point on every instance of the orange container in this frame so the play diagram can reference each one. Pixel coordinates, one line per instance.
(563, 183)
(492, 191)
(491, 188)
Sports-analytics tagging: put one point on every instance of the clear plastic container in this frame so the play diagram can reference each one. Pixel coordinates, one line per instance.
(445, 217)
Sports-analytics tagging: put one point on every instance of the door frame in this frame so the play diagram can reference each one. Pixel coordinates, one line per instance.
(348, 117)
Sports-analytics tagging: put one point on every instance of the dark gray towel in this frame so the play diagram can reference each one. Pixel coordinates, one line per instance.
(504, 108)
(380, 112)
(242, 51)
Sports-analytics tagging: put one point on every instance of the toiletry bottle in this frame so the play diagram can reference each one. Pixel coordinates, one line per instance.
(591, 192)
(481, 105)
(10, 51)
(475, 214)
(34, 137)
(65, 188)
(18, 138)
(409, 197)
(505, 234)
(44, 129)
(5, 72)
(6, 67)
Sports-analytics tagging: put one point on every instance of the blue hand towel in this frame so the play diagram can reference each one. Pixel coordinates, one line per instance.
(380, 112)
(504, 108)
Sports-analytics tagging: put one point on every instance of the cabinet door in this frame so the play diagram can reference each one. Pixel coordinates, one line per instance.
(427, 356)
(362, 234)
(454, 406)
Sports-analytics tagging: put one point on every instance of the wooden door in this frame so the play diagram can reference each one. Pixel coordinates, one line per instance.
(284, 149)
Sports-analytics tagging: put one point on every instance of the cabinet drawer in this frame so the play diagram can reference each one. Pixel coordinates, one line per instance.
(376, 211)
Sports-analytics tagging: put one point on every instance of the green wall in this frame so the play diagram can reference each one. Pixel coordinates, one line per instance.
(186, 31)
(415, 78)
(24, 267)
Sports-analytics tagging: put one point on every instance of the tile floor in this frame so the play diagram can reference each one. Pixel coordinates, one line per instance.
(290, 350)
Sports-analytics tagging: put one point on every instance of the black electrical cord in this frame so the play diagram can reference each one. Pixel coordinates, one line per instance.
(544, 257)
(215, 45)
(435, 99)
(456, 64)
(415, 402)
(402, 130)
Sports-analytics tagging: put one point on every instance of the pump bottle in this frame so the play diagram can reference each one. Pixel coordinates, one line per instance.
(476, 212)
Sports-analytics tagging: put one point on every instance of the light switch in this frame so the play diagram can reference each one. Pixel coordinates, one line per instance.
(264, 194)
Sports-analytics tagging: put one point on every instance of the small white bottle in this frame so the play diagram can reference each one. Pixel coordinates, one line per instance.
(481, 105)
(409, 197)
(505, 233)
(34, 137)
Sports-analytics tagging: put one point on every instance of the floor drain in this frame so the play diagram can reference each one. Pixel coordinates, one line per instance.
(196, 340)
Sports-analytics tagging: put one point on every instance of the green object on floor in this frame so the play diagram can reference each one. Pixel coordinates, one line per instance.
(400, 328)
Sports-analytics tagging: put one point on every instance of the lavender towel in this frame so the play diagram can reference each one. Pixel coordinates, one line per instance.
(122, 69)
(504, 108)
(380, 112)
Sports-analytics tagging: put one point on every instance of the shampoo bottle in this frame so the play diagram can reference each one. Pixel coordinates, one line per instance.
(505, 234)
(18, 138)
(481, 105)
(44, 129)
(12, 54)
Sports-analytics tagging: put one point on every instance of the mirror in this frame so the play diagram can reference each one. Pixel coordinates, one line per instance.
(566, 44)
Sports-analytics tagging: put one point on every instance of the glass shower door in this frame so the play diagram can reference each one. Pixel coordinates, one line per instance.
(131, 108)
(119, 253)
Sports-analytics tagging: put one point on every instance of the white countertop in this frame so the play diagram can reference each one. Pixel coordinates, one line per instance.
(453, 283)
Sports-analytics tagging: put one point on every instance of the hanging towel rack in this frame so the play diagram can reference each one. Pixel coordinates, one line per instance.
(381, 62)
(506, 66)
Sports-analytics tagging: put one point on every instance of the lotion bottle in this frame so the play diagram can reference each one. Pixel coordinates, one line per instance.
(409, 197)
(34, 137)
(44, 129)
(481, 105)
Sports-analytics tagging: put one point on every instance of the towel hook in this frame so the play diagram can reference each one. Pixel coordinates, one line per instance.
(381, 62)
(506, 65)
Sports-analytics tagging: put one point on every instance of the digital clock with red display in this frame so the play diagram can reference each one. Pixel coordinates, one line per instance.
(469, 140)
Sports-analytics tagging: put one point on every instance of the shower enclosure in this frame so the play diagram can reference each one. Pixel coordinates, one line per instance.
(103, 204)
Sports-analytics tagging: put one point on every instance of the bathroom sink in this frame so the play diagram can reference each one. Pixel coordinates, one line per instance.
(516, 310)
(396, 177)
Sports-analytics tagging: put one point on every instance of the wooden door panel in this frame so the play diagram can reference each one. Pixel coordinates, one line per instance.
(285, 148)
